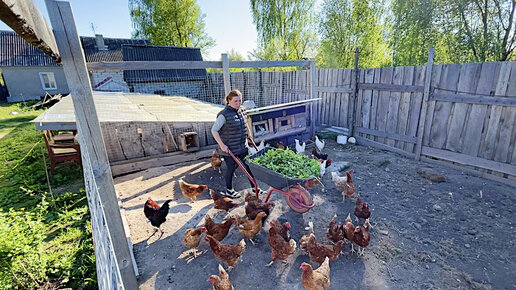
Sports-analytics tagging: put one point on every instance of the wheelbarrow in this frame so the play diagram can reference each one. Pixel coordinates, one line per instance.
(297, 197)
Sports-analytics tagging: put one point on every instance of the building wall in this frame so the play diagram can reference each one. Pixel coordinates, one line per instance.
(187, 88)
(108, 81)
(24, 83)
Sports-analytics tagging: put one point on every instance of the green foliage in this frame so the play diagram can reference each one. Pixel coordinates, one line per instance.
(170, 22)
(350, 24)
(45, 239)
(285, 28)
(288, 163)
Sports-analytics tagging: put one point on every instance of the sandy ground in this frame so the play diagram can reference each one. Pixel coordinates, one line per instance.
(425, 235)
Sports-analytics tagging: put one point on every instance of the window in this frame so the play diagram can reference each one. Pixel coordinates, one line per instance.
(48, 81)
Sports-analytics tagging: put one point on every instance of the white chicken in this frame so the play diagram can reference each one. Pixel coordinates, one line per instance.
(261, 146)
(300, 148)
(319, 143)
(323, 167)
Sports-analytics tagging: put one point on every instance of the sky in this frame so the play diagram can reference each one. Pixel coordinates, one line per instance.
(229, 22)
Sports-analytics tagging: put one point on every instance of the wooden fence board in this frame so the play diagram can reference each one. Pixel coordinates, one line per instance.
(383, 103)
(436, 79)
(467, 83)
(368, 77)
(416, 104)
(471, 139)
(502, 152)
(394, 104)
(449, 78)
(375, 99)
(404, 107)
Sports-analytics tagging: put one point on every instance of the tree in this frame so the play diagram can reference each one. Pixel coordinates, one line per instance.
(234, 55)
(285, 29)
(350, 24)
(170, 22)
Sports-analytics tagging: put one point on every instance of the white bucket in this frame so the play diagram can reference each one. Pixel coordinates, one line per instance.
(341, 139)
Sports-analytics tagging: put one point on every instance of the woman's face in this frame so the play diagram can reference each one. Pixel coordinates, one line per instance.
(235, 102)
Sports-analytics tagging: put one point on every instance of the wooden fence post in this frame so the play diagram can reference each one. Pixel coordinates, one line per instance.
(354, 87)
(225, 73)
(313, 92)
(95, 157)
(424, 104)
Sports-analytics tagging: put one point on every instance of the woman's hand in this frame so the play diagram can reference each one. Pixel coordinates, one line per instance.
(224, 148)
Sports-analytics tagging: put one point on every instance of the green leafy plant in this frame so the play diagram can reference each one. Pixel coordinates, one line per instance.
(288, 163)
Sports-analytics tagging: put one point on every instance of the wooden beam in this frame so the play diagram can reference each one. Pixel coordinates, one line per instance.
(473, 99)
(225, 72)
(26, 20)
(246, 64)
(353, 98)
(470, 160)
(391, 87)
(424, 104)
(313, 94)
(94, 155)
(148, 65)
(335, 90)
(367, 142)
(383, 134)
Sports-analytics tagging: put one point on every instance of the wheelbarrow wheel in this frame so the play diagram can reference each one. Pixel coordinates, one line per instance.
(299, 199)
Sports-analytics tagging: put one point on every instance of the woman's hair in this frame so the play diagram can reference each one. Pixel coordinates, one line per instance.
(233, 93)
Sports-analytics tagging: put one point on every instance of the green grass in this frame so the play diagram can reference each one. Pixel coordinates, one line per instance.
(45, 239)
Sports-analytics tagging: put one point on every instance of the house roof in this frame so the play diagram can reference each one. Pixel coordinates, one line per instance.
(114, 48)
(161, 53)
(15, 51)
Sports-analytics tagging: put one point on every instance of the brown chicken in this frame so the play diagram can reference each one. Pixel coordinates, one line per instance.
(191, 190)
(229, 254)
(216, 162)
(362, 209)
(335, 230)
(361, 236)
(349, 230)
(156, 214)
(218, 231)
(222, 202)
(345, 183)
(316, 279)
(317, 251)
(304, 238)
(283, 230)
(253, 206)
(192, 237)
(221, 281)
(280, 248)
(248, 227)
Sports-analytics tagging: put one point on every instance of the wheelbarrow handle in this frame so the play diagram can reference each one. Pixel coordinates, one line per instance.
(239, 163)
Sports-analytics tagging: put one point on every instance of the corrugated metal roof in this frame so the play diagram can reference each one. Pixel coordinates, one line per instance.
(15, 51)
(161, 53)
(114, 46)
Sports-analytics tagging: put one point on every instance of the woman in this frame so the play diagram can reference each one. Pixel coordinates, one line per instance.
(230, 132)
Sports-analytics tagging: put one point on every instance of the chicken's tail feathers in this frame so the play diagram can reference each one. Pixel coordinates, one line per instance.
(221, 269)
(310, 227)
(242, 243)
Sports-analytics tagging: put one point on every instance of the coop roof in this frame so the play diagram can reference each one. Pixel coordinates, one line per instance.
(15, 51)
(113, 50)
(162, 53)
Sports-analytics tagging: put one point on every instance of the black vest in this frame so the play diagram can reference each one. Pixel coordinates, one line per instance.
(233, 133)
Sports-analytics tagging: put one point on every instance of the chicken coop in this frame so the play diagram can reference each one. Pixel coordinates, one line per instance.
(283, 122)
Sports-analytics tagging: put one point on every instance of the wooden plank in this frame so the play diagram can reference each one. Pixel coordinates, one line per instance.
(507, 133)
(375, 98)
(469, 160)
(367, 142)
(475, 122)
(160, 160)
(424, 104)
(367, 99)
(225, 73)
(471, 171)
(449, 78)
(92, 143)
(28, 22)
(151, 65)
(390, 87)
(383, 103)
(436, 78)
(473, 98)
(313, 93)
(281, 63)
(113, 148)
(415, 105)
(393, 136)
(335, 90)
(353, 96)
(338, 97)
(344, 101)
(394, 103)
(467, 83)
(333, 83)
(404, 107)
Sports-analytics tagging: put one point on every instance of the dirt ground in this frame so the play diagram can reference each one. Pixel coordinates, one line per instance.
(424, 235)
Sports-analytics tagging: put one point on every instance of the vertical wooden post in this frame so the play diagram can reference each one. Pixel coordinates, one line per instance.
(353, 103)
(92, 143)
(225, 73)
(424, 104)
(313, 94)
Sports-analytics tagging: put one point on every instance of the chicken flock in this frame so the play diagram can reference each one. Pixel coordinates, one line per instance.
(279, 238)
